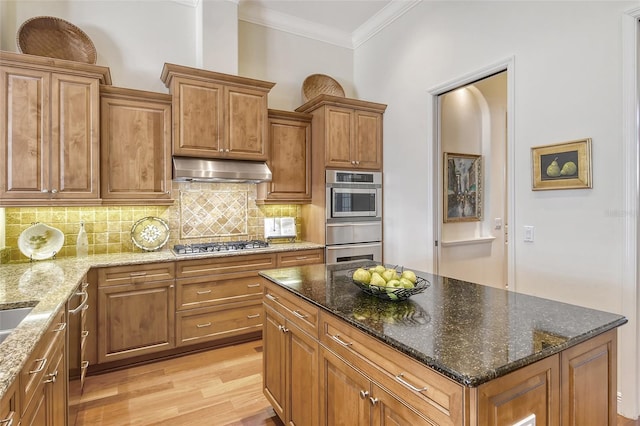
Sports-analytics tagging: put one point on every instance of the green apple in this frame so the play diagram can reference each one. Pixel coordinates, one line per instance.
(406, 283)
(410, 275)
(362, 275)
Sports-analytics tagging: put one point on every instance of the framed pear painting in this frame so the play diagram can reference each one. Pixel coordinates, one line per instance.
(565, 165)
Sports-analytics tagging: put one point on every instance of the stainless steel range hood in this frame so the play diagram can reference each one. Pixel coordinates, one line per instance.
(187, 169)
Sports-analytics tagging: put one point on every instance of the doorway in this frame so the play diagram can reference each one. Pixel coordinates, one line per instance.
(472, 146)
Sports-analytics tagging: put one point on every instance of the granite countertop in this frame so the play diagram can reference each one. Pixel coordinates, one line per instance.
(469, 332)
(47, 285)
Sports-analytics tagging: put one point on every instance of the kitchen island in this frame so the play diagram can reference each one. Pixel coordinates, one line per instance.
(457, 354)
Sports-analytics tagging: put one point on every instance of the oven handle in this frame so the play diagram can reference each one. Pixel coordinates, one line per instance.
(343, 246)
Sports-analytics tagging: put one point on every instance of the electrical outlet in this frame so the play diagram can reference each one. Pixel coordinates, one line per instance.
(528, 233)
(527, 421)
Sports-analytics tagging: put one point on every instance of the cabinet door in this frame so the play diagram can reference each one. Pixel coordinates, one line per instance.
(338, 133)
(389, 410)
(24, 123)
(56, 388)
(75, 106)
(367, 150)
(274, 361)
(135, 320)
(246, 129)
(197, 118)
(289, 160)
(344, 393)
(135, 149)
(302, 374)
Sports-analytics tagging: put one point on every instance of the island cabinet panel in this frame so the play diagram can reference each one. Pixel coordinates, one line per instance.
(534, 389)
(217, 115)
(434, 396)
(135, 146)
(290, 359)
(136, 314)
(589, 377)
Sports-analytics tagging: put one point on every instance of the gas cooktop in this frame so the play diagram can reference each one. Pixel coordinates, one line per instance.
(205, 248)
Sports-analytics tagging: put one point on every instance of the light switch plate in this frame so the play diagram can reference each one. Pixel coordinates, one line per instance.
(528, 233)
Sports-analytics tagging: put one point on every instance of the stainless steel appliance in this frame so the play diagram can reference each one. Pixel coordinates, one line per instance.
(212, 247)
(353, 216)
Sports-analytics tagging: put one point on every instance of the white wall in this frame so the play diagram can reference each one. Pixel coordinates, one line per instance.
(567, 85)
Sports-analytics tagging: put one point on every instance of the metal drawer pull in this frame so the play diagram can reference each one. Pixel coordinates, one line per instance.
(283, 328)
(206, 324)
(85, 307)
(339, 340)
(203, 292)
(299, 315)
(43, 362)
(84, 333)
(8, 421)
(84, 365)
(373, 400)
(253, 316)
(271, 297)
(253, 285)
(364, 394)
(61, 327)
(83, 302)
(301, 258)
(84, 286)
(137, 274)
(409, 385)
(52, 377)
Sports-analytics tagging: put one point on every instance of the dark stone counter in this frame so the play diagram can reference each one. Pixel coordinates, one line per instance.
(468, 332)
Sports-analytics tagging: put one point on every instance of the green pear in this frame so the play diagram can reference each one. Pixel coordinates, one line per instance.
(393, 285)
(389, 274)
(406, 283)
(380, 268)
(569, 168)
(554, 169)
(410, 275)
(376, 279)
(362, 275)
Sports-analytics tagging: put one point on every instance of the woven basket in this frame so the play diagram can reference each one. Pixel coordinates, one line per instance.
(55, 38)
(320, 84)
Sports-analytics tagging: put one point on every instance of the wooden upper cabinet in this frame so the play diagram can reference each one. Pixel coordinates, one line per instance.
(135, 146)
(347, 131)
(289, 159)
(49, 116)
(217, 115)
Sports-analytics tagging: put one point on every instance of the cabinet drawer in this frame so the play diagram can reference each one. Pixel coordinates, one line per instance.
(224, 265)
(135, 274)
(301, 313)
(438, 397)
(217, 289)
(300, 257)
(9, 406)
(209, 324)
(32, 374)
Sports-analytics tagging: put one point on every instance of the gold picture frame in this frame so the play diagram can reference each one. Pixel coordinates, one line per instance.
(565, 165)
(462, 187)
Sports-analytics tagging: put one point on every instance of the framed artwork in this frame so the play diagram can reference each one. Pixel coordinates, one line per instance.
(462, 187)
(562, 166)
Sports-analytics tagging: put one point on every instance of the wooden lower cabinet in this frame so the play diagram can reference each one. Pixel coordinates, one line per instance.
(362, 381)
(9, 406)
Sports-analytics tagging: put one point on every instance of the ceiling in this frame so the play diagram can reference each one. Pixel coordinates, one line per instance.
(346, 23)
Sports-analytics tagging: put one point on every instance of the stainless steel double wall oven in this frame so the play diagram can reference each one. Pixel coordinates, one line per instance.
(354, 216)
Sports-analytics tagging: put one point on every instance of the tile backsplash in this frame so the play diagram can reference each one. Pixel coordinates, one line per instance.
(201, 212)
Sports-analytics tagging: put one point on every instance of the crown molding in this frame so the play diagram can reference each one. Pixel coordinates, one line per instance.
(281, 21)
(380, 20)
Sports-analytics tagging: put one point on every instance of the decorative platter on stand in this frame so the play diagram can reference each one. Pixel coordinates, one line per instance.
(150, 233)
(40, 241)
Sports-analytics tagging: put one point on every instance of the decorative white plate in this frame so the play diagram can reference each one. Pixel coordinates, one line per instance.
(150, 233)
(40, 241)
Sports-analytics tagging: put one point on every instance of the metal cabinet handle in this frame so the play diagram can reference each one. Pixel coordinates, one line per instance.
(339, 340)
(301, 258)
(283, 328)
(201, 292)
(137, 274)
(271, 297)
(7, 421)
(43, 362)
(206, 324)
(52, 377)
(83, 302)
(364, 394)
(253, 316)
(299, 314)
(253, 285)
(84, 365)
(54, 191)
(399, 378)
(373, 400)
(84, 334)
(61, 327)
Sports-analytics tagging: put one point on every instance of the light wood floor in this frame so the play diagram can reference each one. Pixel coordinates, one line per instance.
(221, 387)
